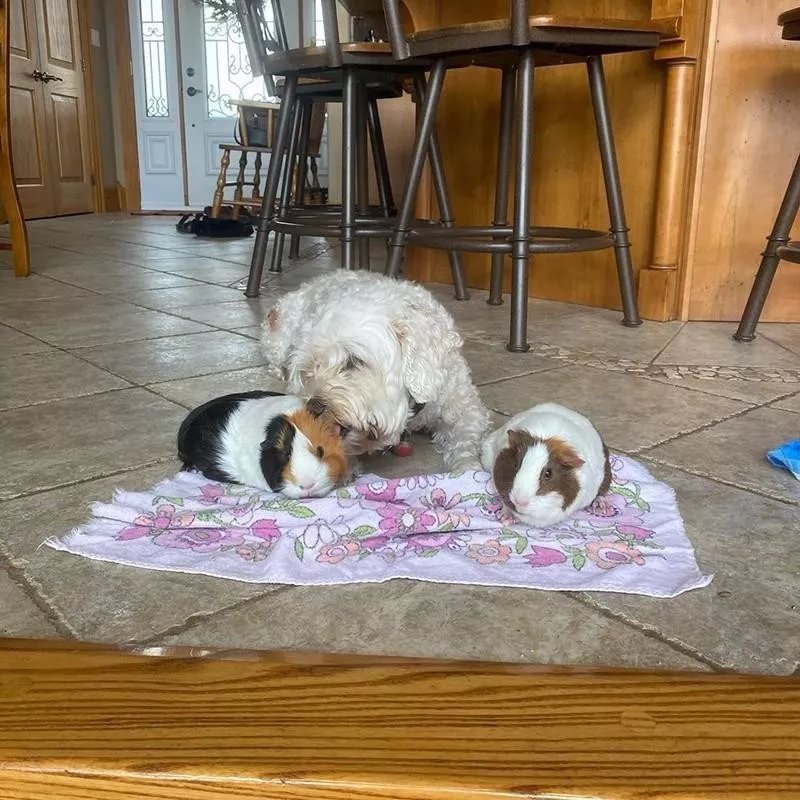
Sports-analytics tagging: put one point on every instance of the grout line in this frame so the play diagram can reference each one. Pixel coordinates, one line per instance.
(35, 593)
(704, 427)
(671, 340)
(778, 344)
(494, 381)
(696, 473)
(650, 631)
(88, 479)
(197, 619)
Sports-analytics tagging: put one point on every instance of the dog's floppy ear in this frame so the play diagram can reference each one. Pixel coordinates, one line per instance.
(425, 352)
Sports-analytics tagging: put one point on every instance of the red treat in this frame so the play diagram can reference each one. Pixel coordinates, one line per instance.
(403, 449)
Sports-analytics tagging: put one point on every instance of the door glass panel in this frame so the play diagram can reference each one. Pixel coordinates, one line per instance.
(155, 62)
(228, 73)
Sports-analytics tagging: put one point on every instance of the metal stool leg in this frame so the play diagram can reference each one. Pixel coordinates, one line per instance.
(302, 170)
(271, 189)
(443, 201)
(520, 237)
(349, 165)
(425, 126)
(503, 179)
(608, 156)
(380, 160)
(787, 214)
(286, 189)
(362, 173)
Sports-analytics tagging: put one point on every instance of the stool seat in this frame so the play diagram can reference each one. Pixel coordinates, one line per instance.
(331, 88)
(568, 35)
(314, 61)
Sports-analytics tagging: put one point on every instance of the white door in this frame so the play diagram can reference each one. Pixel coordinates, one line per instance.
(187, 65)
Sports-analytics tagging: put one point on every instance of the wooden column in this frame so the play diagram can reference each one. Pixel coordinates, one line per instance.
(660, 280)
(9, 197)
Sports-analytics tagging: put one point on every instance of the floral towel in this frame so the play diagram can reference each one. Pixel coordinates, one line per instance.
(447, 528)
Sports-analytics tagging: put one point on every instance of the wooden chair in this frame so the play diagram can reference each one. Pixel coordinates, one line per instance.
(516, 46)
(255, 135)
(9, 196)
(356, 74)
(778, 248)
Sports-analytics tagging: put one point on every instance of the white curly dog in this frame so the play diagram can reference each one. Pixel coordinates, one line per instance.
(379, 356)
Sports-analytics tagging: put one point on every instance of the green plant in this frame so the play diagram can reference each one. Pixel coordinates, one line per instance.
(221, 10)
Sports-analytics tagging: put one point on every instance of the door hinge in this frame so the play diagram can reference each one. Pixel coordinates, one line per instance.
(83, 65)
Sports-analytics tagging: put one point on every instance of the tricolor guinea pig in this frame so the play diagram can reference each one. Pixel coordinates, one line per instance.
(266, 440)
(547, 463)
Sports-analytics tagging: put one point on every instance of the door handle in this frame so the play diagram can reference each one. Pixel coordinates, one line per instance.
(44, 77)
(191, 91)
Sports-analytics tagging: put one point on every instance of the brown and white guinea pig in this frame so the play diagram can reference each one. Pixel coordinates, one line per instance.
(266, 440)
(547, 463)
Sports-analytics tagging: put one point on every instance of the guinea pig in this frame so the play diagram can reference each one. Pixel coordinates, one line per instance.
(547, 463)
(266, 440)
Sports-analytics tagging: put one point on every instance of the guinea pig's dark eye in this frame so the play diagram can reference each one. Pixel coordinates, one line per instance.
(547, 474)
(320, 452)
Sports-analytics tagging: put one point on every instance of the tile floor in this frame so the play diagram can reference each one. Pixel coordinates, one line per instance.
(125, 324)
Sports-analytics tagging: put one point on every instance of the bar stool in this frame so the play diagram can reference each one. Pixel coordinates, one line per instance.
(356, 74)
(516, 46)
(778, 248)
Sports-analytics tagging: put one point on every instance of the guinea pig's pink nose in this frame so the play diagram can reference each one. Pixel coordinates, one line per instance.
(520, 502)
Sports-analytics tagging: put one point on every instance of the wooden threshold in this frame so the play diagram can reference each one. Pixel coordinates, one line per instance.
(83, 722)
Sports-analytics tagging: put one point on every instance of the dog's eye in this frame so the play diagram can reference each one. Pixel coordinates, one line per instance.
(547, 474)
(320, 452)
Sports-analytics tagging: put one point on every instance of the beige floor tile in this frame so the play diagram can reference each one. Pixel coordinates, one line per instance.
(735, 451)
(242, 313)
(409, 618)
(54, 375)
(492, 362)
(33, 287)
(91, 320)
(785, 334)
(71, 440)
(14, 343)
(113, 277)
(630, 413)
(176, 357)
(191, 392)
(180, 298)
(600, 332)
(101, 601)
(20, 617)
(747, 619)
(712, 343)
(789, 403)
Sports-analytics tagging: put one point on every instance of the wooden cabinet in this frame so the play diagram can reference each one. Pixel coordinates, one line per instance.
(49, 123)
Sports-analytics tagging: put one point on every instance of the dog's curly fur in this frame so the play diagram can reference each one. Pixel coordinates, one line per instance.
(368, 349)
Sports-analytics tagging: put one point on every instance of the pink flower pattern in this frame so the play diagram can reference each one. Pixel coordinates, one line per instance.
(412, 518)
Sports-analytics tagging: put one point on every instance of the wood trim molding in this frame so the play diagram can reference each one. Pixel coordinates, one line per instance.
(84, 24)
(127, 107)
(93, 722)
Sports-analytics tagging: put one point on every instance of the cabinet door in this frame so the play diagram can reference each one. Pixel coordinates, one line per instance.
(65, 106)
(27, 105)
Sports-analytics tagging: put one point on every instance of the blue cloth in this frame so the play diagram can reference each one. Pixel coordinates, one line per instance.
(787, 456)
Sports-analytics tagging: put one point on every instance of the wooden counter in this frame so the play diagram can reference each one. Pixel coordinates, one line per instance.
(706, 131)
(93, 723)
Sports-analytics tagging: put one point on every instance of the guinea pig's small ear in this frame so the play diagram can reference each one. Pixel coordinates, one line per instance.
(518, 438)
(276, 450)
(564, 454)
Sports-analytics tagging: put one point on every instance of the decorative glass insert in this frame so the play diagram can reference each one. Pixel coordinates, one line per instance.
(319, 26)
(228, 72)
(155, 62)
